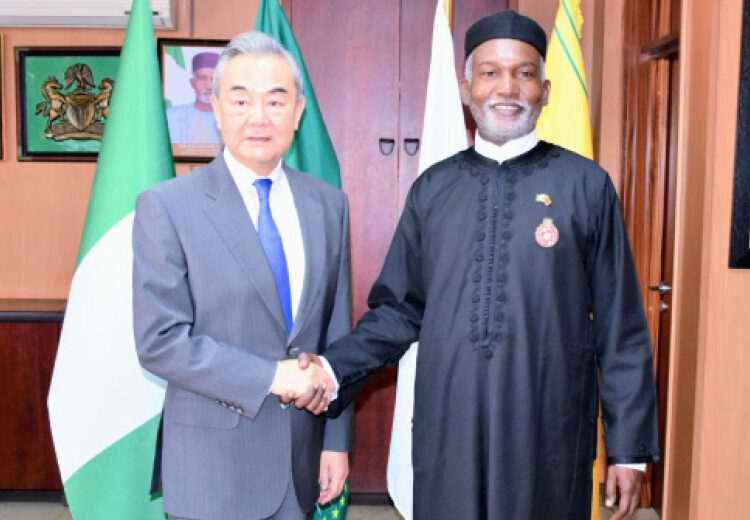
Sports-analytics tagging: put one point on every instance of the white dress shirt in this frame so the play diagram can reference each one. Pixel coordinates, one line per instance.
(509, 150)
(284, 214)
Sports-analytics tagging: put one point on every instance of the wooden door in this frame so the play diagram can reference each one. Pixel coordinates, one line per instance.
(351, 50)
(368, 61)
(649, 151)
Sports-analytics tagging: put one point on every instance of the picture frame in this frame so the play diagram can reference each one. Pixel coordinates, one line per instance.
(739, 250)
(63, 101)
(192, 126)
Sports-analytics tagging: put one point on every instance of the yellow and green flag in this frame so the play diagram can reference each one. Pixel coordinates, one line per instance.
(565, 121)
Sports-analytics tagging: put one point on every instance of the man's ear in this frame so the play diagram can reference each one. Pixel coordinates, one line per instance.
(546, 88)
(465, 88)
(299, 109)
(216, 107)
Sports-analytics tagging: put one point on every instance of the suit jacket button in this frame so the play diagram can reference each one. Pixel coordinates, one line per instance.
(292, 351)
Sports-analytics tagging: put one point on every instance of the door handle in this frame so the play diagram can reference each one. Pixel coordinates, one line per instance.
(411, 146)
(387, 145)
(662, 288)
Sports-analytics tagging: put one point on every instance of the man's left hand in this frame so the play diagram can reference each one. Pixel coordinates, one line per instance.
(628, 483)
(334, 468)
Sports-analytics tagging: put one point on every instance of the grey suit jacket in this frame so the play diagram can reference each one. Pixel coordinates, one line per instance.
(208, 321)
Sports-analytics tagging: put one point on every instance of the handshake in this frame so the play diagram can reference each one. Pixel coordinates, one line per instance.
(305, 382)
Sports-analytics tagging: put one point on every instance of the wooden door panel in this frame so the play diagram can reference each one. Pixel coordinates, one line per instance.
(650, 122)
(416, 40)
(27, 352)
(352, 52)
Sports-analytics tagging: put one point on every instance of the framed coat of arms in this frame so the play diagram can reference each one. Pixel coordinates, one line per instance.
(64, 95)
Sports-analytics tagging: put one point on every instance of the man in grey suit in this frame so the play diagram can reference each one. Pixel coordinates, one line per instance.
(238, 266)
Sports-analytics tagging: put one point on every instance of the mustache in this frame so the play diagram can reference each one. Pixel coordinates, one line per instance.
(502, 101)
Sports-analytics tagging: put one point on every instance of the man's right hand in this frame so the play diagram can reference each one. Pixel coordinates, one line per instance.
(313, 400)
(309, 382)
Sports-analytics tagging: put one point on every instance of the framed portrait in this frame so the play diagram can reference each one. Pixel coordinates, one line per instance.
(187, 68)
(63, 101)
(739, 254)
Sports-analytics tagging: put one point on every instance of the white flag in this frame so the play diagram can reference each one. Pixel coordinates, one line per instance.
(443, 134)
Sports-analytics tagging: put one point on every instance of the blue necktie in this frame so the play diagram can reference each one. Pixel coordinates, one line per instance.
(272, 245)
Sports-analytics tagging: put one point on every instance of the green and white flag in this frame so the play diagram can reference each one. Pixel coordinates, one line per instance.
(104, 409)
(311, 151)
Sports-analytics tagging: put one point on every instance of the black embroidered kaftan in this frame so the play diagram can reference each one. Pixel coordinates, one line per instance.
(519, 283)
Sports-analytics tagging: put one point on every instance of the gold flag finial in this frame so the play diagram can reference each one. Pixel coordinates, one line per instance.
(448, 5)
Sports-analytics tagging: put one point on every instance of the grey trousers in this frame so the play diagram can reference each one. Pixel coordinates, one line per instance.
(289, 509)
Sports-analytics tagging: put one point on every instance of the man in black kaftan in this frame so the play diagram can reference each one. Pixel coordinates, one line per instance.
(511, 266)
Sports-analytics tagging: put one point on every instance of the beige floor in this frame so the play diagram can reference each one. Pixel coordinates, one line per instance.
(53, 511)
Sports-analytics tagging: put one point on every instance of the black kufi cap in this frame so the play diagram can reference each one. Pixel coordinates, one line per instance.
(506, 24)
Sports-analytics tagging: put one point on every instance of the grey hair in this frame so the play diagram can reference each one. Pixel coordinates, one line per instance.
(256, 42)
(468, 72)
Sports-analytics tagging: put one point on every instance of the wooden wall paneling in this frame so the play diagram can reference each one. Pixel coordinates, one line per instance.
(721, 451)
(543, 11)
(43, 204)
(28, 354)
(235, 17)
(681, 465)
(670, 70)
(663, 355)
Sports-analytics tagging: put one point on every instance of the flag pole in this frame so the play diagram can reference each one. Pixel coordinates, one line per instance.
(448, 5)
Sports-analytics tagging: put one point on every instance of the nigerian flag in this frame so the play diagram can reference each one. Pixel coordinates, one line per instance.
(104, 409)
(311, 151)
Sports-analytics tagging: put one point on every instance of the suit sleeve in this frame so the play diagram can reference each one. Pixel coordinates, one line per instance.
(622, 341)
(339, 432)
(393, 322)
(163, 317)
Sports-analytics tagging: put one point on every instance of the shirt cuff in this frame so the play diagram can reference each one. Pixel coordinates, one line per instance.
(329, 371)
(637, 466)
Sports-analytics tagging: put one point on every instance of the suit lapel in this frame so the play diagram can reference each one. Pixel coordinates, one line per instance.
(312, 224)
(228, 214)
